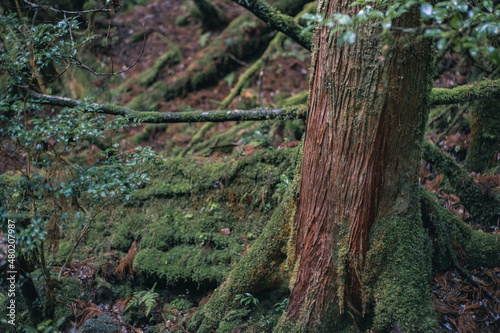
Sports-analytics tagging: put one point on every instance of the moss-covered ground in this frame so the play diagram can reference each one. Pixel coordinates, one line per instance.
(196, 218)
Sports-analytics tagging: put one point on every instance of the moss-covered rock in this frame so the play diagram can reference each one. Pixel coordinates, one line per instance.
(101, 324)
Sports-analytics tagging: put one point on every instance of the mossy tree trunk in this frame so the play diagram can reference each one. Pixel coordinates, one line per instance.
(485, 136)
(361, 248)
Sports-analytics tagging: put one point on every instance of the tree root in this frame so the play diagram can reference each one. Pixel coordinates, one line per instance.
(173, 56)
(263, 267)
(240, 39)
(197, 137)
(483, 208)
(482, 249)
(472, 278)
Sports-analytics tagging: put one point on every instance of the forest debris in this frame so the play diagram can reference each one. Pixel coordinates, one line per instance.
(462, 307)
(126, 263)
(84, 310)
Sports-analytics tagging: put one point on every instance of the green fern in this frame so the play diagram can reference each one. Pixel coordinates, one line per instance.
(143, 300)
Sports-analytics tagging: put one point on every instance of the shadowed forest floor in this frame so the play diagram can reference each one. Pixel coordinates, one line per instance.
(236, 178)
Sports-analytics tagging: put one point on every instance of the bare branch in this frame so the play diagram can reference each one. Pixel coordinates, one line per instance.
(80, 64)
(294, 112)
(103, 9)
(483, 90)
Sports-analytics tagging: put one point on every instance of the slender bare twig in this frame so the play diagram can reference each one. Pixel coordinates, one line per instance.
(78, 63)
(103, 9)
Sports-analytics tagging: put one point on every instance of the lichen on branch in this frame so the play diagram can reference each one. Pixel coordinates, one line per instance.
(293, 112)
(486, 89)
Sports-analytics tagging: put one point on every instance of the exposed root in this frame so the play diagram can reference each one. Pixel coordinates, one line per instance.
(474, 279)
(483, 208)
(481, 249)
(265, 261)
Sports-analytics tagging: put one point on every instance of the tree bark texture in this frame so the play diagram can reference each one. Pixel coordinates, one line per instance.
(361, 159)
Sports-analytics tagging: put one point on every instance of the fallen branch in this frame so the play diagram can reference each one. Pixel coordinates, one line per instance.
(294, 112)
(483, 90)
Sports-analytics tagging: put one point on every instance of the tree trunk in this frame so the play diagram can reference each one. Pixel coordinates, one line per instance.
(360, 245)
(485, 138)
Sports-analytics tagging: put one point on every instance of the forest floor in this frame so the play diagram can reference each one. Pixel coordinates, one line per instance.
(461, 305)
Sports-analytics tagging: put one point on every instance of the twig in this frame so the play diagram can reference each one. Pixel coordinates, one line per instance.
(80, 64)
(242, 63)
(82, 234)
(103, 9)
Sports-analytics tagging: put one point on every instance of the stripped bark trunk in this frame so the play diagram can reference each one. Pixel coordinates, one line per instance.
(360, 167)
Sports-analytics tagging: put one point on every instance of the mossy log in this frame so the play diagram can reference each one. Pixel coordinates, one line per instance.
(172, 56)
(245, 36)
(484, 208)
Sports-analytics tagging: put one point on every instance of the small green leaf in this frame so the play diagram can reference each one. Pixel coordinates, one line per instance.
(230, 79)
(456, 22)
(426, 10)
(347, 37)
(488, 4)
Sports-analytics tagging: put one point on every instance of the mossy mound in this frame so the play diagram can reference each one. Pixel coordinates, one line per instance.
(197, 217)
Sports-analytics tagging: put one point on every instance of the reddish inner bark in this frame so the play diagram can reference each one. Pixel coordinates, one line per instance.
(359, 151)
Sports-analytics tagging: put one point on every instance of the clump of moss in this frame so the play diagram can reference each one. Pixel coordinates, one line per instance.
(195, 220)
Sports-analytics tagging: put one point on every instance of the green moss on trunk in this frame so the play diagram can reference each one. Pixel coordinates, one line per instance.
(485, 136)
(398, 273)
